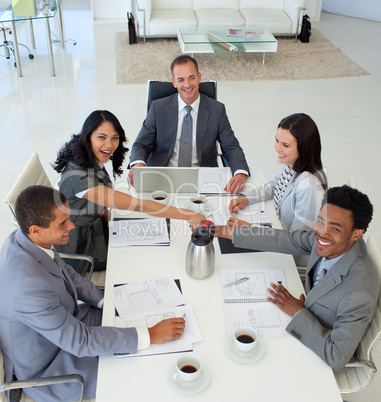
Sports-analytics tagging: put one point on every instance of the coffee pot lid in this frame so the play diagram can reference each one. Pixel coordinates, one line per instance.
(203, 235)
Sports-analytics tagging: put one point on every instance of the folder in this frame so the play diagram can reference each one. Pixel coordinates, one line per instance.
(24, 8)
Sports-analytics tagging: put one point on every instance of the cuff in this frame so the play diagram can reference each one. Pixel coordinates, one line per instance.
(240, 171)
(135, 162)
(100, 304)
(144, 339)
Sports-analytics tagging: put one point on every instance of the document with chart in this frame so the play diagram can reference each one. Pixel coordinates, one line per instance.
(253, 213)
(146, 303)
(138, 232)
(244, 295)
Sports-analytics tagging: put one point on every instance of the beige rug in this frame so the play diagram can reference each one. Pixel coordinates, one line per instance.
(317, 59)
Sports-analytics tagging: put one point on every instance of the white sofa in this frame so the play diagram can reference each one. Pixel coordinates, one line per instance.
(161, 18)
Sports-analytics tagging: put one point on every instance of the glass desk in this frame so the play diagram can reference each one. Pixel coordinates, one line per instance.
(214, 39)
(48, 11)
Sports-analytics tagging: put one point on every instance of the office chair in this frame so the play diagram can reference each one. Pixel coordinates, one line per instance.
(12, 385)
(161, 89)
(358, 373)
(34, 174)
(8, 45)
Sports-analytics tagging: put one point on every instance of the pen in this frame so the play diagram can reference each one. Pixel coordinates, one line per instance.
(236, 282)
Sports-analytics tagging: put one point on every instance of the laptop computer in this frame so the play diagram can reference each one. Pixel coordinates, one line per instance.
(170, 179)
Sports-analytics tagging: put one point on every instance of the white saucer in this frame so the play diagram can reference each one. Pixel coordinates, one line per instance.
(242, 357)
(192, 387)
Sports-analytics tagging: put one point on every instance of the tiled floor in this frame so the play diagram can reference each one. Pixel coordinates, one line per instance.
(38, 113)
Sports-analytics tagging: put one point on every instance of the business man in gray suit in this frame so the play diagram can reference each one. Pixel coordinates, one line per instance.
(43, 330)
(341, 284)
(160, 138)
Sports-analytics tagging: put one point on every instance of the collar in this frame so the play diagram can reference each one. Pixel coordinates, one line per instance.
(195, 105)
(48, 251)
(328, 264)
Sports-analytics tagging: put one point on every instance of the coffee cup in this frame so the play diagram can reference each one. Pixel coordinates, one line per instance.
(188, 368)
(160, 196)
(198, 203)
(246, 338)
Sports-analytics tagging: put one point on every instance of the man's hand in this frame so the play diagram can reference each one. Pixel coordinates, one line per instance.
(130, 175)
(282, 298)
(195, 219)
(237, 222)
(167, 330)
(237, 204)
(236, 183)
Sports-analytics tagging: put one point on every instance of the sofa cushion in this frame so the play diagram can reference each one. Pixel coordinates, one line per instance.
(172, 4)
(213, 17)
(216, 4)
(277, 21)
(166, 22)
(279, 4)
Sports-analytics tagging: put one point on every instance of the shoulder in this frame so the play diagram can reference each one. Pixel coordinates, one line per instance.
(210, 102)
(307, 180)
(165, 102)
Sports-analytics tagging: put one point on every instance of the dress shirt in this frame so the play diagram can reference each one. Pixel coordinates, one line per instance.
(327, 263)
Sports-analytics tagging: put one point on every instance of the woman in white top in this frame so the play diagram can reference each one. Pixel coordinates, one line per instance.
(299, 189)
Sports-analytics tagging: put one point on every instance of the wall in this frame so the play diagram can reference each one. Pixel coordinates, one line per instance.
(110, 10)
(366, 9)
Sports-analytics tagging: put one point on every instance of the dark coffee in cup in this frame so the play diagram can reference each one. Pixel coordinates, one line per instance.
(159, 198)
(188, 369)
(245, 338)
(198, 202)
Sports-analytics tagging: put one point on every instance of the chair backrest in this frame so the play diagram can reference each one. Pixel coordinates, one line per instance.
(32, 174)
(161, 89)
(373, 335)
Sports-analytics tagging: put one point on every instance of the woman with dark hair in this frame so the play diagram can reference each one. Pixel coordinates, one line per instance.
(299, 190)
(88, 187)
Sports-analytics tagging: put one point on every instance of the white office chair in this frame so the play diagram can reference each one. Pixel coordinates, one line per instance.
(352, 182)
(34, 174)
(359, 373)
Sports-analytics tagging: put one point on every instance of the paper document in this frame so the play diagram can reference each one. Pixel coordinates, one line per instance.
(138, 232)
(146, 303)
(246, 303)
(213, 180)
(253, 213)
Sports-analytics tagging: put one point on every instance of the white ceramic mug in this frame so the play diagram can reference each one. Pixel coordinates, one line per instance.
(160, 196)
(198, 203)
(188, 368)
(246, 338)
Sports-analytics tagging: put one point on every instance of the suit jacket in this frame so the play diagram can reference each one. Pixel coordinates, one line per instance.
(340, 307)
(156, 139)
(39, 334)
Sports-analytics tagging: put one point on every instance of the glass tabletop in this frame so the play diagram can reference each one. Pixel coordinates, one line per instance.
(32, 10)
(200, 35)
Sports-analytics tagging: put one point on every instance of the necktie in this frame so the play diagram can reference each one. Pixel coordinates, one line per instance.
(321, 271)
(185, 151)
(57, 260)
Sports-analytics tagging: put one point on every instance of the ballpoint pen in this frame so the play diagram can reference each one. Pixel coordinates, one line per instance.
(236, 282)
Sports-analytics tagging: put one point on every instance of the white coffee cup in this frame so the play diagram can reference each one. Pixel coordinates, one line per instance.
(198, 203)
(188, 368)
(160, 196)
(246, 338)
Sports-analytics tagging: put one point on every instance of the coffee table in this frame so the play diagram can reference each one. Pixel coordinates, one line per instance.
(215, 39)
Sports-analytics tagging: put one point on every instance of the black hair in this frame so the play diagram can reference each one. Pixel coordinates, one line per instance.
(307, 136)
(352, 200)
(79, 151)
(35, 206)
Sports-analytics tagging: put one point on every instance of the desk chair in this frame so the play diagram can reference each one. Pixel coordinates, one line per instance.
(8, 45)
(358, 373)
(34, 174)
(161, 89)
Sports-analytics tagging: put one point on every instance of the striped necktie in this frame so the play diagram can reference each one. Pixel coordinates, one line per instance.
(185, 151)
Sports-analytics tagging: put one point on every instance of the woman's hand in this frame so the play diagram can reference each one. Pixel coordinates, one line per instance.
(237, 204)
(195, 219)
(237, 222)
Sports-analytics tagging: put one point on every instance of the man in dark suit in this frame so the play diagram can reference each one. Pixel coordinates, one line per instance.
(43, 330)
(341, 283)
(160, 138)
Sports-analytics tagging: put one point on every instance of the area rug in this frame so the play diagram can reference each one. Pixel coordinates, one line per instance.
(318, 59)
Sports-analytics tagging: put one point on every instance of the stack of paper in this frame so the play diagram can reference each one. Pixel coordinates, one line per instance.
(144, 304)
(246, 303)
(213, 180)
(138, 232)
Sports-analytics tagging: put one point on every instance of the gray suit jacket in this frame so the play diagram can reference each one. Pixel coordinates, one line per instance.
(39, 334)
(339, 308)
(156, 140)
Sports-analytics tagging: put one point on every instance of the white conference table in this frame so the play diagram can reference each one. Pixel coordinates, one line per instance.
(287, 372)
